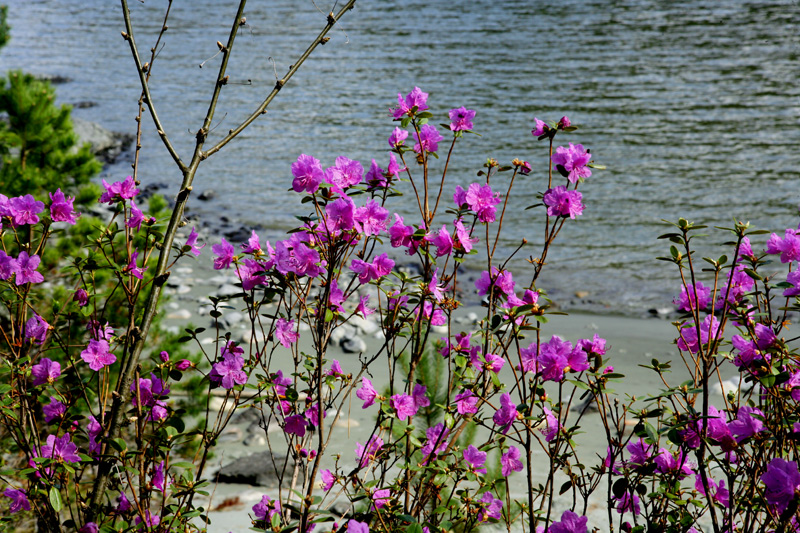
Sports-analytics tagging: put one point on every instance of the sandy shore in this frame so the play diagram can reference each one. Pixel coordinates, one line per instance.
(630, 342)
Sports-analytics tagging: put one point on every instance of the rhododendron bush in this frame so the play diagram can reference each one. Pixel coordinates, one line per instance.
(98, 444)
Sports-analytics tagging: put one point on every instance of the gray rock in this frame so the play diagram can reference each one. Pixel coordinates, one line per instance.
(106, 145)
(208, 194)
(260, 469)
(228, 290)
(364, 325)
(181, 314)
(353, 344)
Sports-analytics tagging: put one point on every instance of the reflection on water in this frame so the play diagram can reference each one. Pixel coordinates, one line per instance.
(692, 105)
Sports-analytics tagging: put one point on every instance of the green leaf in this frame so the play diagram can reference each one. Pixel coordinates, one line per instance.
(55, 499)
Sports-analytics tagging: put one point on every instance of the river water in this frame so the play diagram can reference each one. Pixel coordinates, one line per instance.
(692, 105)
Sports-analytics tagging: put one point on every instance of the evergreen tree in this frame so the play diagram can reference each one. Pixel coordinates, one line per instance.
(4, 36)
(37, 144)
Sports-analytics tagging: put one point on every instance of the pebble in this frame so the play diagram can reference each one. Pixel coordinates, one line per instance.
(183, 314)
(184, 270)
(184, 289)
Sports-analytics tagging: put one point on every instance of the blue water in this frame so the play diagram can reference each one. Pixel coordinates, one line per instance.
(693, 107)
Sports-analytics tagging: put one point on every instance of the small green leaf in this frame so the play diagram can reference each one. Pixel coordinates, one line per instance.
(55, 499)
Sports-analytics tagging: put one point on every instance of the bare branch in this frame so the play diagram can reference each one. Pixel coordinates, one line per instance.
(321, 39)
(128, 36)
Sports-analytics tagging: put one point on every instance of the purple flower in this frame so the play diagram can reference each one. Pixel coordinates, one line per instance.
(427, 139)
(345, 173)
(667, 463)
(183, 364)
(251, 274)
(36, 329)
(55, 409)
(298, 258)
(574, 160)
(571, 522)
(25, 210)
(9, 266)
(717, 491)
(367, 272)
(367, 453)
(341, 215)
(640, 452)
(688, 339)
(491, 507)
(284, 331)
(381, 497)
(307, 173)
(502, 280)
(540, 128)
(510, 461)
(82, 297)
(136, 218)
(781, 480)
(96, 331)
(60, 448)
(45, 371)
(688, 301)
(367, 393)
(94, 429)
(482, 200)
(295, 425)
(363, 308)
(150, 520)
(159, 481)
(123, 504)
(463, 237)
(419, 397)
(228, 372)
(738, 285)
(61, 209)
(629, 502)
(371, 219)
(788, 247)
(135, 271)
(561, 202)
(507, 413)
(354, 526)
(551, 426)
(89, 527)
(401, 235)
(224, 252)
(476, 459)
(555, 358)
(375, 176)
(404, 405)
(97, 354)
(794, 279)
(19, 500)
(461, 119)
(749, 421)
(397, 137)
(466, 403)
(119, 190)
(443, 242)
(564, 123)
(328, 480)
(405, 106)
(436, 443)
(267, 506)
(191, 242)
(26, 269)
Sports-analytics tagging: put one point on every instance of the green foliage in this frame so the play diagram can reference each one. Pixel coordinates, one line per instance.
(38, 147)
(4, 29)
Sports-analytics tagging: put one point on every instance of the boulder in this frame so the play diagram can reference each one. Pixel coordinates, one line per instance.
(259, 469)
(106, 145)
